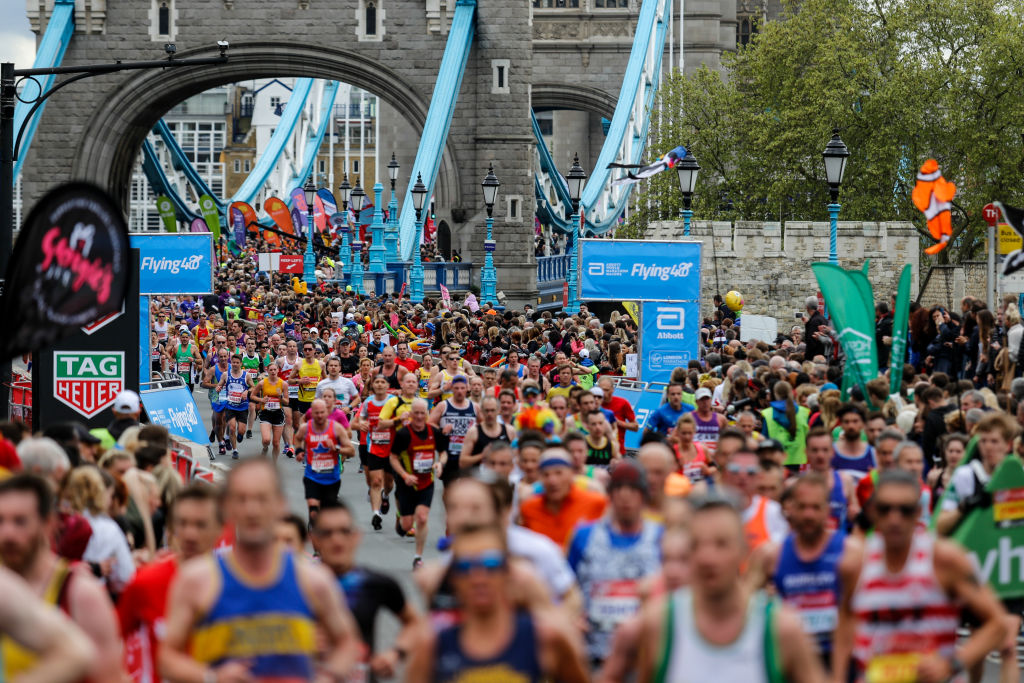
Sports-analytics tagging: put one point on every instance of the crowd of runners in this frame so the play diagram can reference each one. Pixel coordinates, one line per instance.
(761, 528)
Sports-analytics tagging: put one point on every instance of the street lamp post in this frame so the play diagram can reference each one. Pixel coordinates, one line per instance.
(308, 259)
(391, 231)
(419, 196)
(344, 190)
(488, 276)
(357, 266)
(687, 170)
(377, 232)
(834, 156)
(575, 181)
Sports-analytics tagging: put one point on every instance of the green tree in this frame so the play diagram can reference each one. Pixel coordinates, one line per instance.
(903, 80)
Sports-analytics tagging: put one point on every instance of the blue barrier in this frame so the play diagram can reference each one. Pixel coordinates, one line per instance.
(176, 409)
(649, 401)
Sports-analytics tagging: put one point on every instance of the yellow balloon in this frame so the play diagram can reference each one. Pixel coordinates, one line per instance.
(734, 300)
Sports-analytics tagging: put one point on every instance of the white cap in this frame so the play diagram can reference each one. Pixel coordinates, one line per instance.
(183, 328)
(313, 330)
(597, 391)
(703, 392)
(584, 353)
(350, 316)
(127, 402)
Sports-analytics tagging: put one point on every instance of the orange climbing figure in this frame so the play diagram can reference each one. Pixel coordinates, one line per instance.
(933, 195)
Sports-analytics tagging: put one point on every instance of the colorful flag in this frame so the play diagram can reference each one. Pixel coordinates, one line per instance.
(208, 210)
(238, 225)
(323, 207)
(165, 207)
(900, 319)
(199, 225)
(300, 209)
(850, 302)
(279, 213)
(633, 310)
(446, 297)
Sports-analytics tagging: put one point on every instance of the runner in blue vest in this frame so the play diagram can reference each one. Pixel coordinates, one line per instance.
(234, 387)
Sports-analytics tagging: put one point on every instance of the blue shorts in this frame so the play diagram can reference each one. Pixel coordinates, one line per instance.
(218, 407)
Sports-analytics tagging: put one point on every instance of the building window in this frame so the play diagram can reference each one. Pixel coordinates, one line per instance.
(746, 27)
(248, 165)
(275, 104)
(371, 19)
(514, 203)
(321, 166)
(545, 119)
(499, 76)
(162, 19)
(355, 165)
(237, 166)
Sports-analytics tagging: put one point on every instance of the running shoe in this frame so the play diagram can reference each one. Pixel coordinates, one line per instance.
(234, 455)
(248, 433)
(385, 505)
(213, 436)
(417, 562)
(241, 436)
(411, 532)
(222, 450)
(377, 523)
(289, 453)
(398, 527)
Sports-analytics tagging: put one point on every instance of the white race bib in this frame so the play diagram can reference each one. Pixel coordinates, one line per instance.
(272, 404)
(422, 462)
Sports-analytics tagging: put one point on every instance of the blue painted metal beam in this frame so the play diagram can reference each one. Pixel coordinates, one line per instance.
(49, 54)
(155, 174)
(181, 161)
(282, 133)
(439, 116)
(316, 140)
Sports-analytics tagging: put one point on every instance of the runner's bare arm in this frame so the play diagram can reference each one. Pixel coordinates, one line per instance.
(957, 575)
(90, 607)
(189, 597)
(435, 415)
(65, 652)
(300, 436)
(652, 621)
(420, 667)
(468, 442)
(799, 662)
(434, 389)
(842, 642)
(850, 491)
(558, 658)
(338, 625)
(384, 664)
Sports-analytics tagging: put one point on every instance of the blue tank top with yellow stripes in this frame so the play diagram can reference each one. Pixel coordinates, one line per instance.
(272, 627)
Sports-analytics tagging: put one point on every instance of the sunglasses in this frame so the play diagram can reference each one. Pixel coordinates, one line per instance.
(491, 561)
(907, 510)
(740, 469)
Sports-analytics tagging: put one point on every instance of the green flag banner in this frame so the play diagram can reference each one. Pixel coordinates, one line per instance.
(850, 303)
(900, 320)
(208, 209)
(165, 208)
(994, 536)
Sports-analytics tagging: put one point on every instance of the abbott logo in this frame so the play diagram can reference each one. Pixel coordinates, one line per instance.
(671, 318)
(595, 269)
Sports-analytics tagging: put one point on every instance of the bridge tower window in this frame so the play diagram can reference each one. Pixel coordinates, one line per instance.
(746, 27)
(370, 17)
(499, 76)
(162, 19)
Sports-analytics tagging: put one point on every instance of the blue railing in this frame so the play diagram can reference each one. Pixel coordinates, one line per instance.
(457, 277)
(552, 267)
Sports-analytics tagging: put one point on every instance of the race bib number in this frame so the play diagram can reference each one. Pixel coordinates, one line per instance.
(819, 619)
(293, 391)
(222, 396)
(612, 602)
(251, 374)
(185, 367)
(900, 668)
(322, 460)
(422, 462)
(272, 404)
(235, 396)
(694, 472)
(380, 437)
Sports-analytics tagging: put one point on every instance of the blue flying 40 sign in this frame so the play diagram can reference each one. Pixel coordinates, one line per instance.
(635, 270)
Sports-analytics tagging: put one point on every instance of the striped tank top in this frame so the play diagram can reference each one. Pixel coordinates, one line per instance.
(270, 626)
(901, 615)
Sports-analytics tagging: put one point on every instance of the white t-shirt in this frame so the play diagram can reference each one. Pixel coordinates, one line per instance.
(107, 540)
(961, 484)
(343, 387)
(543, 554)
(776, 524)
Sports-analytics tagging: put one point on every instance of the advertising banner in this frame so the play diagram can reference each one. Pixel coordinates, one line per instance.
(208, 209)
(623, 270)
(851, 306)
(165, 208)
(77, 378)
(175, 408)
(175, 264)
(994, 535)
(649, 401)
(900, 321)
(198, 225)
(300, 209)
(279, 213)
(323, 207)
(670, 338)
(69, 268)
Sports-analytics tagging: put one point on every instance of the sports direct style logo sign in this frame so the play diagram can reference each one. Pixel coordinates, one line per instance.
(625, 270)
(179, 263)
(88, 381)
(669, 338)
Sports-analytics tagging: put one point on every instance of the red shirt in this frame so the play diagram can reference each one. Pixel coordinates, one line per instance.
(141, 612)
(622, 411)
(9, 459)
(409, 364)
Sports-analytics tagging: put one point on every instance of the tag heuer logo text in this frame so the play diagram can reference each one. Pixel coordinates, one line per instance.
(88, 381)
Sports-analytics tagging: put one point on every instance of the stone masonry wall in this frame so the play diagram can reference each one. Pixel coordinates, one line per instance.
(769, 263)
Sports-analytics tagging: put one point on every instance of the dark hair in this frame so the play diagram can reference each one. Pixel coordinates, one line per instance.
(149, 456)
(155, 435)
(850, 408)
(30, 483)
(300, 524)
(815, 433)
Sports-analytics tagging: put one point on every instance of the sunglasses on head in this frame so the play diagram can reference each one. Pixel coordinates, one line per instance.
(906, 510)
(491, 561)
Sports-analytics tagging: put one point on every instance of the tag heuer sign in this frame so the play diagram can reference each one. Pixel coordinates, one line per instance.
(88, 381)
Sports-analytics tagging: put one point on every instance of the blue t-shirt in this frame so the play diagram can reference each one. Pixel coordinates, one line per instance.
(581, 537)
(664, 418)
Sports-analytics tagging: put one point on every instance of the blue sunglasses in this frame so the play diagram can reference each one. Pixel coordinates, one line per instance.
(489, 562)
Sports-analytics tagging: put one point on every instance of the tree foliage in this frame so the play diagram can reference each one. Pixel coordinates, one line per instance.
(903, 80)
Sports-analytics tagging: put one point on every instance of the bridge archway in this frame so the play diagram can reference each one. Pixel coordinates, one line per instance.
(110, 143)
(545, 96)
